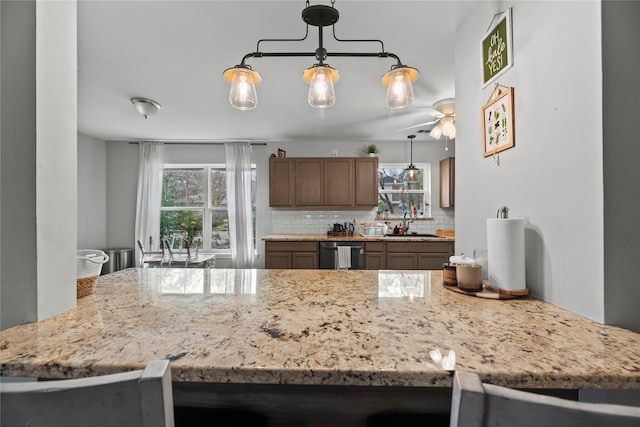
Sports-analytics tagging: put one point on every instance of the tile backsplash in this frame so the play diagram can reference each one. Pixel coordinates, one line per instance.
(318, 222)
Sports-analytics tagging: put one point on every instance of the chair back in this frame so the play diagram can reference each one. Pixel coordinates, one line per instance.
(476, 404)
(142, 398)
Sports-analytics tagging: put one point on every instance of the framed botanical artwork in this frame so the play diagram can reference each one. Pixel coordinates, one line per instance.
(498, 124)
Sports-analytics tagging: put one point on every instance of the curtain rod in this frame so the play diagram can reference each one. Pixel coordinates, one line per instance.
(192, 142)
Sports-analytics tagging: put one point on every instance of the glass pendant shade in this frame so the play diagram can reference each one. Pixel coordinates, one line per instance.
(452, 133)
(321, 91)
(411, 175)
(436, 132)
(399, 88)
(243, 87)
(448, 128)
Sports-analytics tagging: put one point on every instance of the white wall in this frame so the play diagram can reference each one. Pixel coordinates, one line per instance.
(56, 155)
(92, 193)
(553, 176)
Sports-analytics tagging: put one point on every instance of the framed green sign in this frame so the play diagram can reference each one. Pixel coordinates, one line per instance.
(497, 48)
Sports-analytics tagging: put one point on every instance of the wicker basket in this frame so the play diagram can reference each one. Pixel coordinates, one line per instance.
(88, 265)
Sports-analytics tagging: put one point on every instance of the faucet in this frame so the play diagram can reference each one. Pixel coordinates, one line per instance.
(405, 224)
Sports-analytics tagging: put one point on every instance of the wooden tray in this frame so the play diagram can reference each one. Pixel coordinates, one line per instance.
(490, 292)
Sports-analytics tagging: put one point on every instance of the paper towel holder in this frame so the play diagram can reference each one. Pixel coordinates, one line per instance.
(503, 212)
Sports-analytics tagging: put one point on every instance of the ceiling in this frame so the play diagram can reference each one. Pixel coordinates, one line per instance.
(175, 52)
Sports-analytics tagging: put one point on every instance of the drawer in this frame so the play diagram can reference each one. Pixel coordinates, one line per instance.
(418, 246)
(374, 246)
(291, 246)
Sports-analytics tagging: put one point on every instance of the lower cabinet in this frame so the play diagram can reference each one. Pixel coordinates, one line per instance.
(418, 255)
(379, 255)
(291, 255)
(374, 256)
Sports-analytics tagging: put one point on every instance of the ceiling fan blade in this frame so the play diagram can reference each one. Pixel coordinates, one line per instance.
(432, 111)
(418, 125)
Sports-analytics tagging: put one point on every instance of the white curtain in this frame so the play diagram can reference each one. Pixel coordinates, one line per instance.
(150, 167)
(238, 168)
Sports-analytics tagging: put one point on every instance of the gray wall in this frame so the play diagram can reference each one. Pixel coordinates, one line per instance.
(39, 160)
(92, 193)
(621, 109)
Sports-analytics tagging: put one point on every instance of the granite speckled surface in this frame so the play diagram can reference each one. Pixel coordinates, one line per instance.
(318, 327)
(356, 237)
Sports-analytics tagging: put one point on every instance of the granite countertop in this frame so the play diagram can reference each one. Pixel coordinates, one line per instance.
(356, 237)
(322, 327)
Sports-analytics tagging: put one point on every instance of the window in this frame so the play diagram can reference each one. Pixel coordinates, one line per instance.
(397, 197)
(194, 206)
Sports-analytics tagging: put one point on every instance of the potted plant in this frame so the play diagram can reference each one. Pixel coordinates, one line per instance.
(372, 149)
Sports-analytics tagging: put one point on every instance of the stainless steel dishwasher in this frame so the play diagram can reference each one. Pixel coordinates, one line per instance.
(329, 255)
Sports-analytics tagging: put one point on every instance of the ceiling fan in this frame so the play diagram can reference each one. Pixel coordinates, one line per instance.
(444, 112)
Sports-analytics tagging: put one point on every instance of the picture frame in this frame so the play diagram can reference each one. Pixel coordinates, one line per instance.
(497, 48)
(498, 121)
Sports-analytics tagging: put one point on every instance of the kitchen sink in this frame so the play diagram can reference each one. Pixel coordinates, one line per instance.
(414, 235)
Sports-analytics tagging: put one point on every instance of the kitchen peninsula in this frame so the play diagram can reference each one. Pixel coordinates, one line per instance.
(328, 336)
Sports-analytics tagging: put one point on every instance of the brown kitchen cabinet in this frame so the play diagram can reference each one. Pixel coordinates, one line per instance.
(418, 255)
(321, 183)
(366, 181)
(281, 182)
(338, 181)
(286, 255)
(447, 183)
(308, 182)
(374, 256)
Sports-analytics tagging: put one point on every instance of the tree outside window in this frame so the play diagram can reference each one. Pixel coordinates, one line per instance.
(396, 197)
(193, 203)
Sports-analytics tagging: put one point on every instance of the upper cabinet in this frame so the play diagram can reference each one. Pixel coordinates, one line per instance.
(281, 182)
(322, 183)
(447, 183)
(338, 181)
(366, 182)
(307, 183)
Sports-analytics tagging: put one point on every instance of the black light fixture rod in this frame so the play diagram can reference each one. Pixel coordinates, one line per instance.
(337, 54)
(321, 52)
(280, 54)
(357, 40)
(283, 40)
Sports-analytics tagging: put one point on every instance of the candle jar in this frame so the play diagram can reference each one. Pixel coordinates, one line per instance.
(469, 277)
(449, 275)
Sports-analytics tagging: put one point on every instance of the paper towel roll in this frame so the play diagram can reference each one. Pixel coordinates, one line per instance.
(505, 253)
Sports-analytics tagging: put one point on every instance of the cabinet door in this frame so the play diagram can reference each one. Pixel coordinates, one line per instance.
(338, 182)
(374, 261)
(402, 261)
(278, 260)
(432, 261)
(305, 260)
(366, 181)
(280, 182)
(309, 182)
(447, 183)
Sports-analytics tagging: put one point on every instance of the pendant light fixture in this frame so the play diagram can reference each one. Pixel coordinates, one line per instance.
(320, 77)
(411, 174)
